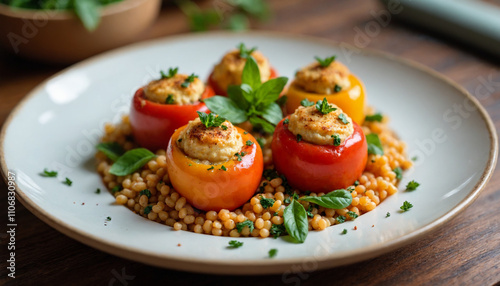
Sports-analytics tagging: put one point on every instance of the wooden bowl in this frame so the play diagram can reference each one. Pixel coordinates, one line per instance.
(60, 37)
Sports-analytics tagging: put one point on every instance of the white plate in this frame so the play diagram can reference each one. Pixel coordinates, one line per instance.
(60, 122)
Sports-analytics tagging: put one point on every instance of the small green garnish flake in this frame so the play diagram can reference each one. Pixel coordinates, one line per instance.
(326, 61)
(211, 119)
(223, 168)
(98, 191)
(189, 80)
(266, 203)
(336, 140)
(272, 252)
(337, 88)
(224, 127)
(356, 183)
(374, 117)
(145, 192)
(374, 144)
(388, 214)
(341, 219)
(399, 172)
(235, 244)
(48, 174)
(305, 102)
(323, 106)
(406, 206)
(241, 225)
(352, 214)
(108, 218)
(343, 118)
(68, 182)
(244, 51)
(277, 229)
(249, 143)
(414, 158)
(211, 168)
(116, 189)
(148, 209)
(240, 155)
(171, 73)
(299, 137)
(286, 121)
(344, 231)
(170, 99)
(412, 185)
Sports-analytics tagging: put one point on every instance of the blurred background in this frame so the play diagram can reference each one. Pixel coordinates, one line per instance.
(460, 39)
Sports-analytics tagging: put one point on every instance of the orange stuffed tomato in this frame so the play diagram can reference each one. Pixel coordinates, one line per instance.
(165, 105)
(214, 168)
(319, 152)
(333, 81)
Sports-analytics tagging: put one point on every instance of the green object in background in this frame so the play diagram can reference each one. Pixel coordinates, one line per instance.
(86, 10)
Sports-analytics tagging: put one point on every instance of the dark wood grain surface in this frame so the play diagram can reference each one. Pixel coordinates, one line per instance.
(466, 251)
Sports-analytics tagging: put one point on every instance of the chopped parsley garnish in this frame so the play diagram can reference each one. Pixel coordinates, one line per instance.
(414, 158)
(356, 183)
(170, 99)
(352, 214)
(171, 73)
(399, 172)
(244, 52)
(145, 192)
(273, 252)
(235, 244)
(299, 137)
(47, 173)
(326, 61)
(374, 117)
(350, 189)
(323, 106)
(223, 168)
(224, 127)
(266, 203)
(249, 143)
(406, 206)
(108, 218)
(116, 189)
(241, 225)
(287, 200)
(211, 119)
(344, 231)
(68, 182)
(388, 214)
(98, 191)
(188, 80)
(412, 185)
(211, 168)
(286, 121)
(239, 155)
(337, 88)
(341, 219)
(305, 102)
(336, 140)
(343, 118)
(148, 209)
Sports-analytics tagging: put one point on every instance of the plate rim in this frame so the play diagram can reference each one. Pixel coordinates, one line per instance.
(255, 266)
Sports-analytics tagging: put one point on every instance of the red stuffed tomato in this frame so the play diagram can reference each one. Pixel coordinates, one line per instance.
(153, 123)
(219, 91)
(319, 168)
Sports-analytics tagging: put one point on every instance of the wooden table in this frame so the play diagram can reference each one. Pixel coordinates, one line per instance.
(466, 251)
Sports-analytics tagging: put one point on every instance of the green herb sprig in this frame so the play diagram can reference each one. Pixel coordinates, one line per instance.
(326, 61)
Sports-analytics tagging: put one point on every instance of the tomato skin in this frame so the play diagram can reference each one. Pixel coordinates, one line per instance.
(153, 123)
(353, 105)
(319, 168)
(219, 91)
(215, 189)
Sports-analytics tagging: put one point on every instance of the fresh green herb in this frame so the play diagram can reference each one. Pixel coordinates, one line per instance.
(211, 168)
(414, 158)
(374, 144)
(412, 185)
(108, 218)
(343, 118)
(171, 73)
(344, 231)
(341, 219)
(249, 143)
(145, 192)
(356, 183)
(116, 189)
(170, 99)
(235, 244)
(299, 137)
(112, 150)
(306, 103)
(326, 61)
(296, 223)
(406, 206)
(252, 100)
(273, 252)
(281, 101)
(68, 182)
(223, 168)
(323, 106)
(131, 161)
(388, 214)
(148, 209)
(309, 211)
(188, 80)
(262, 142)
(286, 121)
(98, 191)
(245, 133)
(337, 88)
(338, 199)
(190, 164)
(336, 140)
(211, 119)
(352, 214)
(374, 117)
(241, 225)
(239, 155)
(350, 189)
(399, 172)
(47, 173)
(266, 203)
(224, 127)
(244, 52)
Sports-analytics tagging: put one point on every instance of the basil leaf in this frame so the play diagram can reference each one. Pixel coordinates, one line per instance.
(88, 12)
(295, 219)
(251, 73)
(247, 92)
(270, 90)
(338, 199)
(131, 161)
(261, 123)
(235, 93)
(375, 117)
(226, 108)
(374, 144)
(112, 150)
(272, 113)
